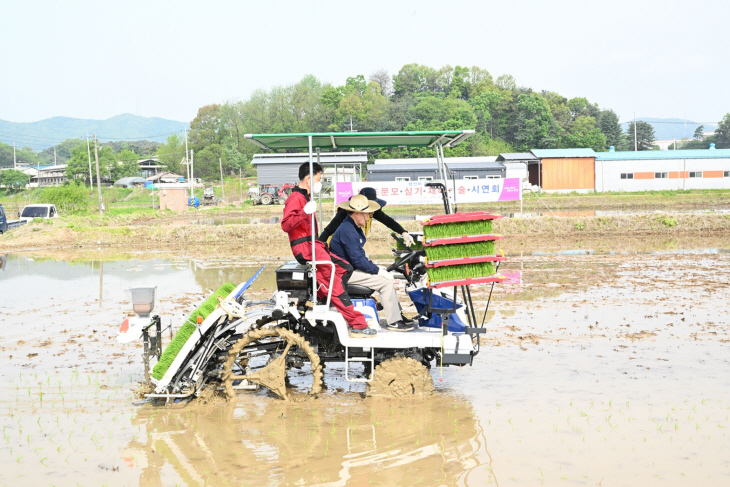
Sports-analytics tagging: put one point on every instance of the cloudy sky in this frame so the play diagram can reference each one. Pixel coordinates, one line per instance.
(166, 59)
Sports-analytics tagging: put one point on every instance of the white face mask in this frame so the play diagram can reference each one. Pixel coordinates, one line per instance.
(317, 187)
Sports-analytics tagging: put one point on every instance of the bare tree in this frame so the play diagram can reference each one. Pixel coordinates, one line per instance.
(383, 79)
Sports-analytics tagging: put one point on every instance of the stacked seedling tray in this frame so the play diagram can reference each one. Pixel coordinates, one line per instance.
(460, 249)
(187, 330)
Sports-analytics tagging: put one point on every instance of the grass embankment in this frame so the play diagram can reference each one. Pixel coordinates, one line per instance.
(79, 200)
(560, 202)
(167, 231)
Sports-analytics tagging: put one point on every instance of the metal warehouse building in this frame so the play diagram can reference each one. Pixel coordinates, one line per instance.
(563, 169)
(425, 169)
(284, 168)
(662, 170)
(517, 163)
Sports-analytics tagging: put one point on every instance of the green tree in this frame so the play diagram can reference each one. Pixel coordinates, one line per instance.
(382, 78)
(172, 152)
(506, 82)
(611, 128)
(63, 151)
(436, 113)
(533, 126)
(460, 83)
(126, 165)
(695, 144)
(479, 81)
(414, 78)
(373, 106)
(77, 168)
(24, 154)
(644, 135)
(699, 133)
(207, 133)
(559, 109)
(356, 84)
(205, 128)
(581, 106)
(12, 178)
(592, 138)
(491, 108)
(722, 133)
(583, 133)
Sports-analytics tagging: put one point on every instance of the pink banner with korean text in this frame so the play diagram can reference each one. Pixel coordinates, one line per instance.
(417, 193)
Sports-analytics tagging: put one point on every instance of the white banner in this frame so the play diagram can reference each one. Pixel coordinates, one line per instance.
(417, 193)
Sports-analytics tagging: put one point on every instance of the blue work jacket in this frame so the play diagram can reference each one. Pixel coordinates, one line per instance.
(348, 242)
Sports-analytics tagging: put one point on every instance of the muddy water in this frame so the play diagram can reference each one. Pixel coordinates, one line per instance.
(606, 369)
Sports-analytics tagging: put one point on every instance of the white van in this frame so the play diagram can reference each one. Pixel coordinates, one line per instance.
(38, 211)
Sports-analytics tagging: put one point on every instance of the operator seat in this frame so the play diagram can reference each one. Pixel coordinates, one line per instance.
(357, 291)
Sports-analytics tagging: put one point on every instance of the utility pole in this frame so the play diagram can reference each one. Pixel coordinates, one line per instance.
(223, 191)
(636, 142)
(54, 155)
(240, 182)
(192, 180)
(91, 176)
(98, 178)
(187, 161)
(15, 163)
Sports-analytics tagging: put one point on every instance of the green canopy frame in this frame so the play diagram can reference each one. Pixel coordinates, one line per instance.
(348, 140)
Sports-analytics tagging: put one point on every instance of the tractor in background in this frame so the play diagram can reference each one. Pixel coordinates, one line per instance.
(209, 197)
(269, 194)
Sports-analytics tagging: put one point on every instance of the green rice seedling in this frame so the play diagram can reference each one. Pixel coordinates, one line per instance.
(455, 251)
(187, 330)
(457, 229)
(456, 272)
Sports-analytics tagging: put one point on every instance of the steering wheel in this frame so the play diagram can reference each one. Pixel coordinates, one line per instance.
(405, 258)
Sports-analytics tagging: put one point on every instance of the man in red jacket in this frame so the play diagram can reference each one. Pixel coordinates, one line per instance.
(297, 223)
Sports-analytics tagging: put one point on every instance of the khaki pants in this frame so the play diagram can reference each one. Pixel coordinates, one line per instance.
(385, 287)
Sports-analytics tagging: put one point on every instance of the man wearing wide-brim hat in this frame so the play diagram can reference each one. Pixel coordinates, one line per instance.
(347, 243)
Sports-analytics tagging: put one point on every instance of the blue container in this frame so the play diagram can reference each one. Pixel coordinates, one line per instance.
(420, 299)
(367, 302)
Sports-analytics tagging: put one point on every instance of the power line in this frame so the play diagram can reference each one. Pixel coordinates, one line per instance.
(678, 123)
(141, 137)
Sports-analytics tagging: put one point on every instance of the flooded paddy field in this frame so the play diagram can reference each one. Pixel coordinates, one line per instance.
(604, 363)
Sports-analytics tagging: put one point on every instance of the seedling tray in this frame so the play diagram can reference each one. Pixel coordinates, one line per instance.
(460, 217)
(461, 240)
(465, 260)
(467, 282)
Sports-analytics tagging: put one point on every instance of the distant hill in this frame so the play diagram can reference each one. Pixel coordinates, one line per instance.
(51, 131)
(670, 128)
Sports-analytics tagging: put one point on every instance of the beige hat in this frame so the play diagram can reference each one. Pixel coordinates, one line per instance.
(360, 203)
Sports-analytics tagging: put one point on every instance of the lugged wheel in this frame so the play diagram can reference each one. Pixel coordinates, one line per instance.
(400, 376)
(273, 374)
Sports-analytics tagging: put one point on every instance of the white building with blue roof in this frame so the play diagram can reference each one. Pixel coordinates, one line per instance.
(662, 170)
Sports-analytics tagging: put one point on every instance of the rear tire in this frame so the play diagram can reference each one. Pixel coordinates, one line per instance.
(400, 377)
(266, 199)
